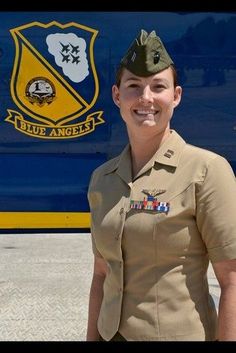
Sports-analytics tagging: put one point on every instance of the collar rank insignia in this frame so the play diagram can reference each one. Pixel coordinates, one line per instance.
(150, 203)
(153, 192)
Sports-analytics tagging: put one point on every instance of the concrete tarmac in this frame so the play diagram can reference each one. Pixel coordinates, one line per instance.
(44, 286)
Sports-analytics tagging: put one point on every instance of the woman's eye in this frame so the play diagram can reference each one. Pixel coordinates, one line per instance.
(158, 87)
(133, 85)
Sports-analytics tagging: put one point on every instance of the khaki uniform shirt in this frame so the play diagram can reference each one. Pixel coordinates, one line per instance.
(156, 288)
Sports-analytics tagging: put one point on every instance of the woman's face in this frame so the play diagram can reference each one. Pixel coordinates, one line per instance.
(147, 102)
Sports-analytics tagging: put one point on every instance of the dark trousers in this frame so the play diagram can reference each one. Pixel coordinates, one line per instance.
(117, 337)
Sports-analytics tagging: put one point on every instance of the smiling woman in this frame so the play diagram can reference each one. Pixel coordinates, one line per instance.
(156, 218)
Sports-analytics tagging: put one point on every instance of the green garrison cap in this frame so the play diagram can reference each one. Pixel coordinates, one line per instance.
(146, 55)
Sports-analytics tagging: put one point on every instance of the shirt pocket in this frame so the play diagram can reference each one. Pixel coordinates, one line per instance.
(176, 233)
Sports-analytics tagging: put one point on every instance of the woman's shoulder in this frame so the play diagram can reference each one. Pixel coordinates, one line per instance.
(192, 153)
(204, 158)
(200, 153)
(106, 167)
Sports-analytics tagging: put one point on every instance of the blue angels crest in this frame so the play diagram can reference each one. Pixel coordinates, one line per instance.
(54, 78)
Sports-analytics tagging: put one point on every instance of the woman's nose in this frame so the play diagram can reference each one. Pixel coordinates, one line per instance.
(146, 96)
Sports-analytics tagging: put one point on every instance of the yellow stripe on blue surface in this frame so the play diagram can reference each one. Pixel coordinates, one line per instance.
(17, 220)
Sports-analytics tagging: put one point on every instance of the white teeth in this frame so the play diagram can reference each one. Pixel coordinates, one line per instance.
(145, 112)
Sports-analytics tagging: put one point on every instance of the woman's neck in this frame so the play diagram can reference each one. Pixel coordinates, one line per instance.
(143, 149)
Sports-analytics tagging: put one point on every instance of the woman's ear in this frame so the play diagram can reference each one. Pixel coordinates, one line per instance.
(177, 95)
(116, 95)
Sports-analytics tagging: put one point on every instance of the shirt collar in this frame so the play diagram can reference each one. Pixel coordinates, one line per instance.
(170, 151)
(122, 165)
(168, 154)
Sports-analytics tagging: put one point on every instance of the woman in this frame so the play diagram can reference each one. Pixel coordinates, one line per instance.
(160, 211)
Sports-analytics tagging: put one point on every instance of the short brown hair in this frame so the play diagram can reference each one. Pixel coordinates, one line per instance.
(120, 69)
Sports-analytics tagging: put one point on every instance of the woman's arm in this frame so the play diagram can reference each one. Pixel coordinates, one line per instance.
(95, 298)
(225, 272)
